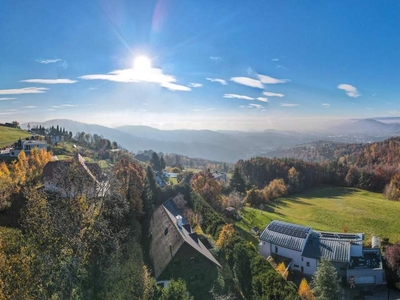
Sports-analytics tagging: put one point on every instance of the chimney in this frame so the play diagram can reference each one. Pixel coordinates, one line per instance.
(179, 221)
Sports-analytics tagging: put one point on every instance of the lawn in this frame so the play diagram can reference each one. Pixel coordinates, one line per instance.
(332, 209)
(9, 136)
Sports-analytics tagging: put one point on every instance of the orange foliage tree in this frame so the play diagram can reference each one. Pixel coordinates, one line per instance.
(305, 292)
(225, 236)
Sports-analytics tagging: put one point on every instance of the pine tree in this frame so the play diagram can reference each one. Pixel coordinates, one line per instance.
(237, 182)
(325, 283)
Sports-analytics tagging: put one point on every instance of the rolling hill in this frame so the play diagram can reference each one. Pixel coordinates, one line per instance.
(10, 135)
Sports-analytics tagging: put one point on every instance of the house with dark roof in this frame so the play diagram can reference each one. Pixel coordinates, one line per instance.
(54, 175)
(305, 248)
(176, 251)
(221, 177)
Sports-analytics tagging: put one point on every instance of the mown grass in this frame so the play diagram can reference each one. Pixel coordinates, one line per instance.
(329, 208)
(9, 136)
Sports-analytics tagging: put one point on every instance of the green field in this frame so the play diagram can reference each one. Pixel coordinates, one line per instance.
(9, 136)
(331, 209)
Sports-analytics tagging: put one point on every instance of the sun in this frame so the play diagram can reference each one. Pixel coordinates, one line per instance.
(142, 64)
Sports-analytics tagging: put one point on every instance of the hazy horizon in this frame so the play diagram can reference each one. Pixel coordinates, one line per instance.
(220, 66)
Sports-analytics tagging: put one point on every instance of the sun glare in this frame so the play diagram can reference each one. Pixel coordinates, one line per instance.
(142, 63)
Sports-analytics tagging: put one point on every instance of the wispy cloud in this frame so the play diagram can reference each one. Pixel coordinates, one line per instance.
(326, 104)
(203, 110)
(27, 90)
(257, 106)
(49, 81)
(270, 94)
(236, 96)
(288, 104)
(253, 106)
(29, 106)
(215, 58)
(275, 59)
(221, 81)
(69, 105)
(48, 61)
(7, 99)
(152, 75)
(175, 87)
(263, 99)
(271, 80)
(195, 85)
(248, 81)
(350, 90)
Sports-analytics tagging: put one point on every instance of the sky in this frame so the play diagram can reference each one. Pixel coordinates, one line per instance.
(170, 64)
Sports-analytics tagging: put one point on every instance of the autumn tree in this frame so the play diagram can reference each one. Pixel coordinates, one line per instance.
(305, 292)
(235, 200)
(225, 236)
(205, 184)
(392, 190)
(392, 256)
(275, 189)
(6, 186)
(325, 285)
(254, 197)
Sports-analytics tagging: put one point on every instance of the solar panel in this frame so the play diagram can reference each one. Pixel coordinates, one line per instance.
(289, 229)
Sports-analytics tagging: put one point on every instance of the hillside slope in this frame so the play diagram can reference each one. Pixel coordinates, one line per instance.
(10, 135)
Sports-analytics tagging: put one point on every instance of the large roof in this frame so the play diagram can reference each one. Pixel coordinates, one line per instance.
(168, 237)
(332, 246)
(285, 235)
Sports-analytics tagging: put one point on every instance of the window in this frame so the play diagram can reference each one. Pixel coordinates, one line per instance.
(276, 249)
(296, 266)
(308, 264)
(166, 231)
(302, 259)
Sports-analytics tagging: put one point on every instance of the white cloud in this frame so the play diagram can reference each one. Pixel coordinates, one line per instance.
(221, 81)
(248, 81)
(270, 94)
(263, 99)
(27, 90)
(257, 106)
(48, 61)
(350, 90)
(325, 105)
(152, 75)
(7, 99)
(275, 59)
(29, 106)
(235, 96)
(195, 85)
(288, 104)
(203, 110)
(270, 80)
(69, 105)
(49, 81)
(175, 87)
(216, 58)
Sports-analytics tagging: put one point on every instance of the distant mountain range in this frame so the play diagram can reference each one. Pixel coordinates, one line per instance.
(228, 146)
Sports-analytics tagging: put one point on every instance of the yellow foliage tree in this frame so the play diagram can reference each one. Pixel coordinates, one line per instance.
(225, 236)
(275, 189)
(305, 292)
(19, 168)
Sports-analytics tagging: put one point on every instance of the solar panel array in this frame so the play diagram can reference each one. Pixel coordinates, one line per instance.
(339, 236)
(289, 229)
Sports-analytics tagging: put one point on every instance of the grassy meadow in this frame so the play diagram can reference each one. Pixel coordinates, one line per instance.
(10, 135)
(329, 208)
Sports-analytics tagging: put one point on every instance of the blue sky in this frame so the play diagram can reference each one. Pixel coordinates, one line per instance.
(243, 65)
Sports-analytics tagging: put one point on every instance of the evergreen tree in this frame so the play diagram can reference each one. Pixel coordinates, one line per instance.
(325, 282)
(155, 162)
(162, 163)
(237, 182)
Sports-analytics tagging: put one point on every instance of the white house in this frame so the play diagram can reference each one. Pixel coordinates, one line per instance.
(305, 247)
(221, 177)
(27, 146)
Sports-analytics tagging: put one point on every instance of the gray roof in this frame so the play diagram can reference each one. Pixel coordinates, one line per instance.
(334, 247)
(168, 237)
(285, 235)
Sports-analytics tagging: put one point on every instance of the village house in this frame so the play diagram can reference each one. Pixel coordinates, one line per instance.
(221, 177)
(176, 251)
(53, 173)
(27, 146)
(305, 247)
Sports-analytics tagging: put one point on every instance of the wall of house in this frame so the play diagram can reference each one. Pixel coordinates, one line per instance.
(379, 275)
(197, 271)
(264, 249)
